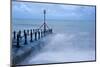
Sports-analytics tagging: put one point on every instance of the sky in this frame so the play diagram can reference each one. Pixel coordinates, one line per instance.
(29, 10)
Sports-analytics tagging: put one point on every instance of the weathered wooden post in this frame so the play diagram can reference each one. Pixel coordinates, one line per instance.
(33, 30)
(20, 34)
(25, 36)
(38, 34)
(31, 36)
(41, 34)
(27, 32)
(14, 35)
(18, 40)
(51, 30)
(35, 35)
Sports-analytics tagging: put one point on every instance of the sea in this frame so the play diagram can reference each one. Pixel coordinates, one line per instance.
(74, 40)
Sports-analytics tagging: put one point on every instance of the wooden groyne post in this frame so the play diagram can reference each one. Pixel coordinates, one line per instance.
(35, 35)
(14, 35)
(18, 40)
(31, 36)
(27, 32)
(38, 34)
(25, 37)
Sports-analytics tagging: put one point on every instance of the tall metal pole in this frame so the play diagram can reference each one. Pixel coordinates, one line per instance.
(44, 20)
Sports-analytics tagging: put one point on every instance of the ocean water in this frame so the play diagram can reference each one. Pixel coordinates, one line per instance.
(57, 25)
(74, 40)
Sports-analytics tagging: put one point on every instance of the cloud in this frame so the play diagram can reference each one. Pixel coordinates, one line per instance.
(54, 11)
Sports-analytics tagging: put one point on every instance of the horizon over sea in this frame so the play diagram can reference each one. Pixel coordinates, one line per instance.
(56, 25)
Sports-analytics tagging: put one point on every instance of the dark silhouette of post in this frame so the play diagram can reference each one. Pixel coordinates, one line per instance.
(20, 34)
(14, 35)
(44, 22)
(31, 36)
(35, 35)
(33, 31)
(18, 40)
(38, 34)
(41, 33)
(25, 36)
(51, 31)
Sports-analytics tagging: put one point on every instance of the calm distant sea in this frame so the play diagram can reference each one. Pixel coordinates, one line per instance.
(58, 26)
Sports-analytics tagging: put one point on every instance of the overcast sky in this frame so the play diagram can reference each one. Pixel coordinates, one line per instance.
(31, 10)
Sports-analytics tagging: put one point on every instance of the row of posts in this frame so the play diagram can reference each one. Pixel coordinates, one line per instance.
(37, 33)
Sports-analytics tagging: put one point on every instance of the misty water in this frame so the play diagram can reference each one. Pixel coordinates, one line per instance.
(72, 41)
